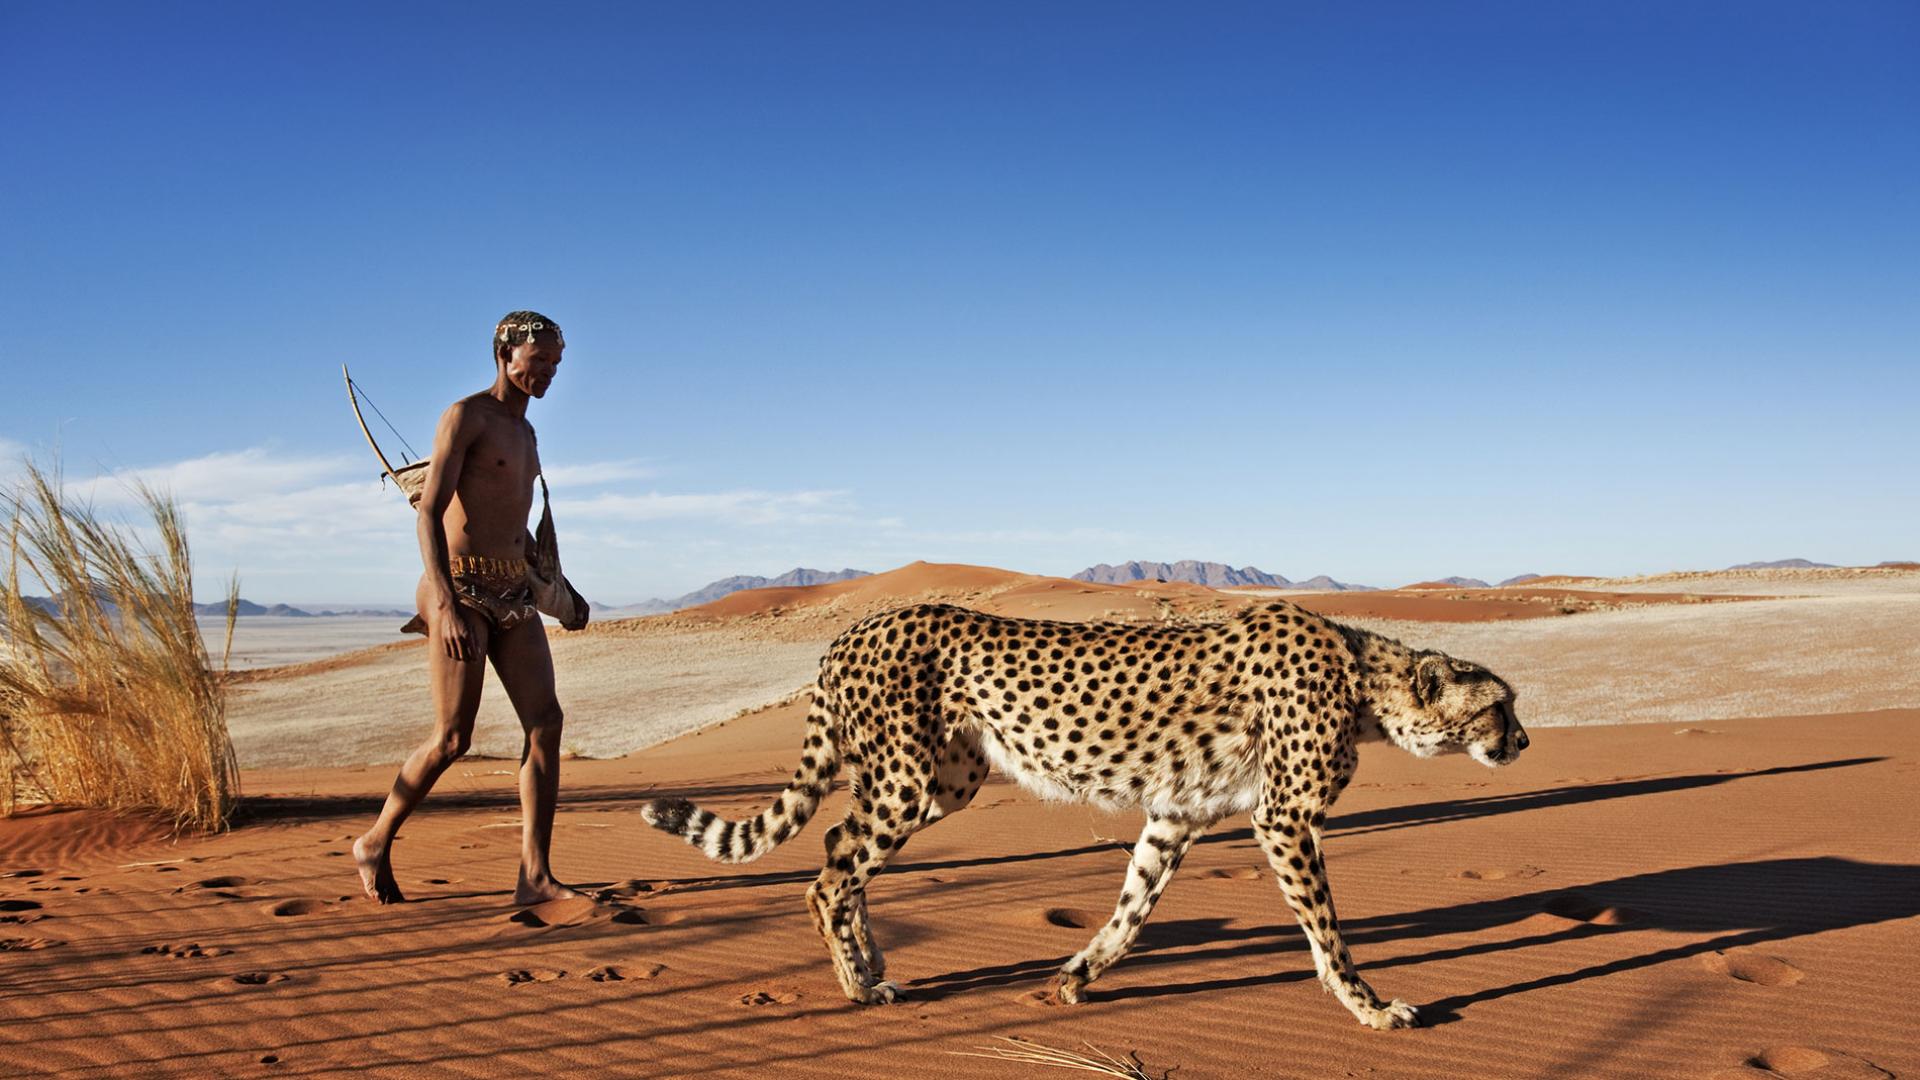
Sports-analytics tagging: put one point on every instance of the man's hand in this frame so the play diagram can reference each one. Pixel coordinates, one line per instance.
(450, 625)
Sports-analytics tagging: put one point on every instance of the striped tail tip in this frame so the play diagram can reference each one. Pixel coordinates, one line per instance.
(668, 815)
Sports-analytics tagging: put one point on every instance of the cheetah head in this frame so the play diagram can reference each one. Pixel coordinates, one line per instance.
(1453, 706)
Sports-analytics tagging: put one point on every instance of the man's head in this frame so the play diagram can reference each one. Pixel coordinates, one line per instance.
(527, 347)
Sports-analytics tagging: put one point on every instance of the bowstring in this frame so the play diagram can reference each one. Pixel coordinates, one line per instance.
(383, 419)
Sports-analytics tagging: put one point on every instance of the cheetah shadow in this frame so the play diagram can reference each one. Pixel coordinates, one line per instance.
(1732, 906)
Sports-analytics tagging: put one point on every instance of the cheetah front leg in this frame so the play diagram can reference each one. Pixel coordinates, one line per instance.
(1156, 855)
(1290, 836)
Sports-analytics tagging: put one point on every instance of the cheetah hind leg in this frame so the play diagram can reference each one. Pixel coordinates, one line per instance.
(961, 769)
(857, 849)
(1156, 855)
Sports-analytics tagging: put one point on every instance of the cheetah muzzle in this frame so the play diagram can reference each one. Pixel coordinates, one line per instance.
(1191, 723)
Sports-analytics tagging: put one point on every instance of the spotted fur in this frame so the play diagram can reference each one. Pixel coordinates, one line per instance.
(1190, 723)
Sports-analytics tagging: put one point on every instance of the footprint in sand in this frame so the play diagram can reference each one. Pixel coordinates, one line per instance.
(1752, 967)
(27, 944)
(770, 997)
(1819, 1062)
(1498, 873)
(1043, 998)
(21, 912)
(578, 911)
(281, 909)
(184, 952)
(1585, 909)
(1235, 873)
(258, 978)
(624, 890)
(1073, 918)
(523, 976)
(221, 887)
(24, 872)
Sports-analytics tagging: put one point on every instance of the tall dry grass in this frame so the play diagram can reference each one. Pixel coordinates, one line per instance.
(108, 697)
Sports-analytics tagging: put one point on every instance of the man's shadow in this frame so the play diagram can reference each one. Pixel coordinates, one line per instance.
(1735, 905)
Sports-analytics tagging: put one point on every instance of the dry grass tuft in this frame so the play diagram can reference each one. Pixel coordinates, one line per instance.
(107, 695)
(1096, 1061)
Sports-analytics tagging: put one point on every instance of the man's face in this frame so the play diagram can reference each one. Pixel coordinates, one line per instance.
(531, 365)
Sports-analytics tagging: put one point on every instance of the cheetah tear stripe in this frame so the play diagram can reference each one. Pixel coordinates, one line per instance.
(728, 841)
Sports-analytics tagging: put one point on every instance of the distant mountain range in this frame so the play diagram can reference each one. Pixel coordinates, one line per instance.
(1211, 574)
(248, 607)
(1783, 564)
(1453, 583)
(727, 586)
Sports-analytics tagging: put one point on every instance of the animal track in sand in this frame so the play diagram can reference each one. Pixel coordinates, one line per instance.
(27, 944)
(1043, 998)
(1498, 873)
(572, 911)
(523, 976)
(21, 912)
(184, 952)
(1585, 909)
(770, 997)
(1236, 873)
(578, 911)
(625, 890)
(1073, 918)
(303, 905)
(1818, 1062)
(1752, 967)
(24, 872)
(259, 978)
(221, 887)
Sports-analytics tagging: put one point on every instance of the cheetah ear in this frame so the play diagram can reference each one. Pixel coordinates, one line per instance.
(1429, 679)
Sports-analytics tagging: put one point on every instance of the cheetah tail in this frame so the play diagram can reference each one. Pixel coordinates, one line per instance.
(746, 840)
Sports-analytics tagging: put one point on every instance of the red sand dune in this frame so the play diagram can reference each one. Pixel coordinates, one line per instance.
(910, 580)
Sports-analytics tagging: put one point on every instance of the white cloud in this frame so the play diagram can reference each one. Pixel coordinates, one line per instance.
(224, 477)
(595, 473)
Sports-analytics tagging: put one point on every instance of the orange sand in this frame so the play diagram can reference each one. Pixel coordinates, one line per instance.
(1719, 899)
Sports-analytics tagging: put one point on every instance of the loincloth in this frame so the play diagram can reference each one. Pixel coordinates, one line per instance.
(497, 589)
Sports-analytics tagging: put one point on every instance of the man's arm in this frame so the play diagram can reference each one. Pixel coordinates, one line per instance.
(459, 426)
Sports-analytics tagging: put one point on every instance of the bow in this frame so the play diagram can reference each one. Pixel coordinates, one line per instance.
(354, 394)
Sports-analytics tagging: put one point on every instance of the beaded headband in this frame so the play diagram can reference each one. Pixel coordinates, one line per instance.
(508, 330)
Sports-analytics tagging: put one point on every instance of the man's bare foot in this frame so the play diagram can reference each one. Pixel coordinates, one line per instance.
(376, 873)
(540, 890)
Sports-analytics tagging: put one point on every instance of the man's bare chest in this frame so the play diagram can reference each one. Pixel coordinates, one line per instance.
(504, 459)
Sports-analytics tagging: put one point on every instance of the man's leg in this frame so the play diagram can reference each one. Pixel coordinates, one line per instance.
(456, 697)
(525, 667)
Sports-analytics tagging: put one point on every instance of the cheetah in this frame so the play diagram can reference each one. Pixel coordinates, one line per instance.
(1190, 723)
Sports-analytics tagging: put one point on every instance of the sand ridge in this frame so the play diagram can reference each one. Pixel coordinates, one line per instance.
(1580, 656)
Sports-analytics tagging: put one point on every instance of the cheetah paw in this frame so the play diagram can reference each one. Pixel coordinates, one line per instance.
(1395, 1014)
(880, 993)
(1071, 989)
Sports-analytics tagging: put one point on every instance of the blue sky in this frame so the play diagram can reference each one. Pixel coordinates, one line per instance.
(1385, 291)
